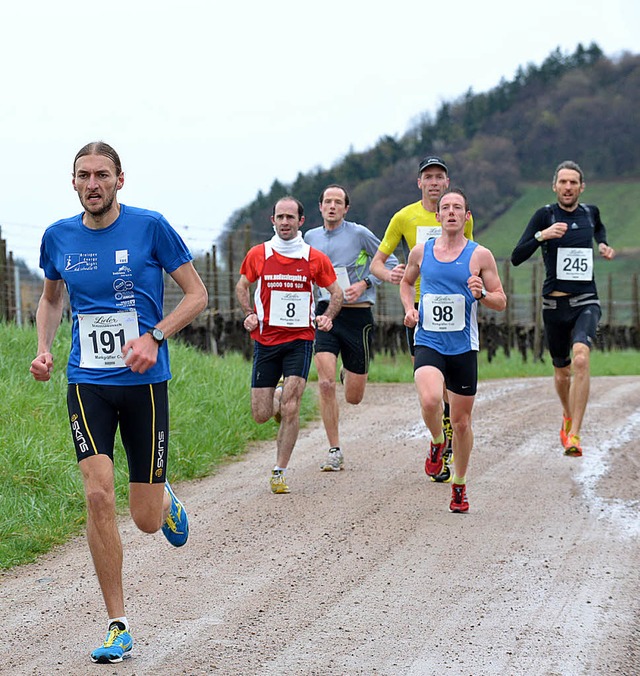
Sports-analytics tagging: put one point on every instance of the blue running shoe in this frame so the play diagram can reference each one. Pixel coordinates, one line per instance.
(116, 646)
(176, 526)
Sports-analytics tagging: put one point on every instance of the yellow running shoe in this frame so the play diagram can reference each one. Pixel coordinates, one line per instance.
(278, 482)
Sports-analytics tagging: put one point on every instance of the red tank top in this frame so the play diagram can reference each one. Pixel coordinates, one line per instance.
(284, 299)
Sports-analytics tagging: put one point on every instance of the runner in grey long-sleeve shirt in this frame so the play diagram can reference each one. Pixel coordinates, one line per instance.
(350, 247)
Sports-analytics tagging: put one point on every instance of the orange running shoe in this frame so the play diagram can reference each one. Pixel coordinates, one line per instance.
(565, 430)
(572, 446)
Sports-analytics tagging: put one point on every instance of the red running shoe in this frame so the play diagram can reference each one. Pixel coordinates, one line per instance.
(459, 502)
(434, 463)
(564, 430)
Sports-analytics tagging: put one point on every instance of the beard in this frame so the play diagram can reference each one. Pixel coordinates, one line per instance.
(98, 211)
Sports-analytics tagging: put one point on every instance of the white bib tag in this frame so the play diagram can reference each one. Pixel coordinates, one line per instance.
(343, 277)
(103, 336)
(443, 312)
(426, 232)
(575, 265)
(289, 308)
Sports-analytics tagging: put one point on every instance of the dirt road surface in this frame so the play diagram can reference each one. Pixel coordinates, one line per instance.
(365, 571)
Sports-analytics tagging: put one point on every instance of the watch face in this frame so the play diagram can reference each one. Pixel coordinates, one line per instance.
(157, 335)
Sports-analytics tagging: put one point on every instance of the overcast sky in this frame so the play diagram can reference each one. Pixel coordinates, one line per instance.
(208, 102)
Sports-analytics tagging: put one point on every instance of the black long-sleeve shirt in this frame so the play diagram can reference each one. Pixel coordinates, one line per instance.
(584, 225)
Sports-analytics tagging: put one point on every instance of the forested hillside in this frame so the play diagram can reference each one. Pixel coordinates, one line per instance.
(583, 106)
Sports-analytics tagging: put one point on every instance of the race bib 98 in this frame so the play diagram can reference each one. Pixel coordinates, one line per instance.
(443, 312)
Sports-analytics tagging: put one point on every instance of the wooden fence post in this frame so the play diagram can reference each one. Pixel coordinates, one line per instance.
(4, 296)
(635, 295)
(231, 276)
(536, 300)
(610, 309)
(247, 237)
(214, 272)
(508, 289)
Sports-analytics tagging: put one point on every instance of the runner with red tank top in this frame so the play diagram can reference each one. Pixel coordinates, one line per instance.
(282, 323)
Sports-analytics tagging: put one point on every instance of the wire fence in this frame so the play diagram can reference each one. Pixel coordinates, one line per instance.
(219, 328)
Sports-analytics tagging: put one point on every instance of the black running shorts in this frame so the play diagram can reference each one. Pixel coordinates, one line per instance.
(271, 362)
(350, 336)
(568, 320)
(460, 371)
(141, 412)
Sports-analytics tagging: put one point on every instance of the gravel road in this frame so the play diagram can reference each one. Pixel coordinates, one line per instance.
(365, 571)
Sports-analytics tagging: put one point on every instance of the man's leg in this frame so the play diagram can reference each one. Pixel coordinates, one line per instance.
(102, 531)
(580, 386)
(461, 407)
(262, 403)
(562, 382)
(326, 363)
(149, 505)
(290, 411)
(429, 383)
(354, 386)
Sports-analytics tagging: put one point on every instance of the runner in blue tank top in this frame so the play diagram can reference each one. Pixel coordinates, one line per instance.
(456, 275)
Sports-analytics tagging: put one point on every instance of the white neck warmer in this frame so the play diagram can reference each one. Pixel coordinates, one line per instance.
(291, 248)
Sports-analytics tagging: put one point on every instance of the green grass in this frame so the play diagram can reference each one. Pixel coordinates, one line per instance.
(386, 369)
(41, 497)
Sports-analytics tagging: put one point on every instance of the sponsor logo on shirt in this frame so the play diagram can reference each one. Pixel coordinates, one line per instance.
(80, 262)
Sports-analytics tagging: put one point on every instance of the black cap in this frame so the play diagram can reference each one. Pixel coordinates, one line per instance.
(430, 161)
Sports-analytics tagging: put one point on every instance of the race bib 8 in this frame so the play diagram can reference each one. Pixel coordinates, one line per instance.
(443, 312)
(290, 308)
(575, 264)
(102, 337)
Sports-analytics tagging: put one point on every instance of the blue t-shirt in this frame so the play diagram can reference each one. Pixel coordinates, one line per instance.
(114, 277)
(447, 306)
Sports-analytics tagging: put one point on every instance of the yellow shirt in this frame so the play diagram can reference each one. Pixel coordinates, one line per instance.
(411, 225)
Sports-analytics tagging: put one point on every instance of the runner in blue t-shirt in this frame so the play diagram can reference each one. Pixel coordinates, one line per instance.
(111, 259)
(455, 275)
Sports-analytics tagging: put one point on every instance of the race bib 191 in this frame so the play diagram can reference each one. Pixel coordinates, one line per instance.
(443, 312)
(102, 337)
(575, 264)
(290, 308)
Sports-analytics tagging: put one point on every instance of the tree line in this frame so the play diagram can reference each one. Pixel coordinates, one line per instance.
(581, 106)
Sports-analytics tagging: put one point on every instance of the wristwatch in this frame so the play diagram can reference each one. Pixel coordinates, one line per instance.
(538, 236)
(157, 334)
(368, 282)
(483, 293)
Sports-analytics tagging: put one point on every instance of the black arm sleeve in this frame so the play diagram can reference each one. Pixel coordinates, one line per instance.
(599, 231)
(528, 244)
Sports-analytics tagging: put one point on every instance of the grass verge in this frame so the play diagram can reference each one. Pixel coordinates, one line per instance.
(41, 496)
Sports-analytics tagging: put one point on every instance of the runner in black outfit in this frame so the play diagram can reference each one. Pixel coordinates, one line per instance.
(570, 306)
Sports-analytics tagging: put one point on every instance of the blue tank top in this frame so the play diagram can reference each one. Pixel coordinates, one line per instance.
(448, 311)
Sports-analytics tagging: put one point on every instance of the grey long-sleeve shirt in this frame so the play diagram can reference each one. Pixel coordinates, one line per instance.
(350, 247)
